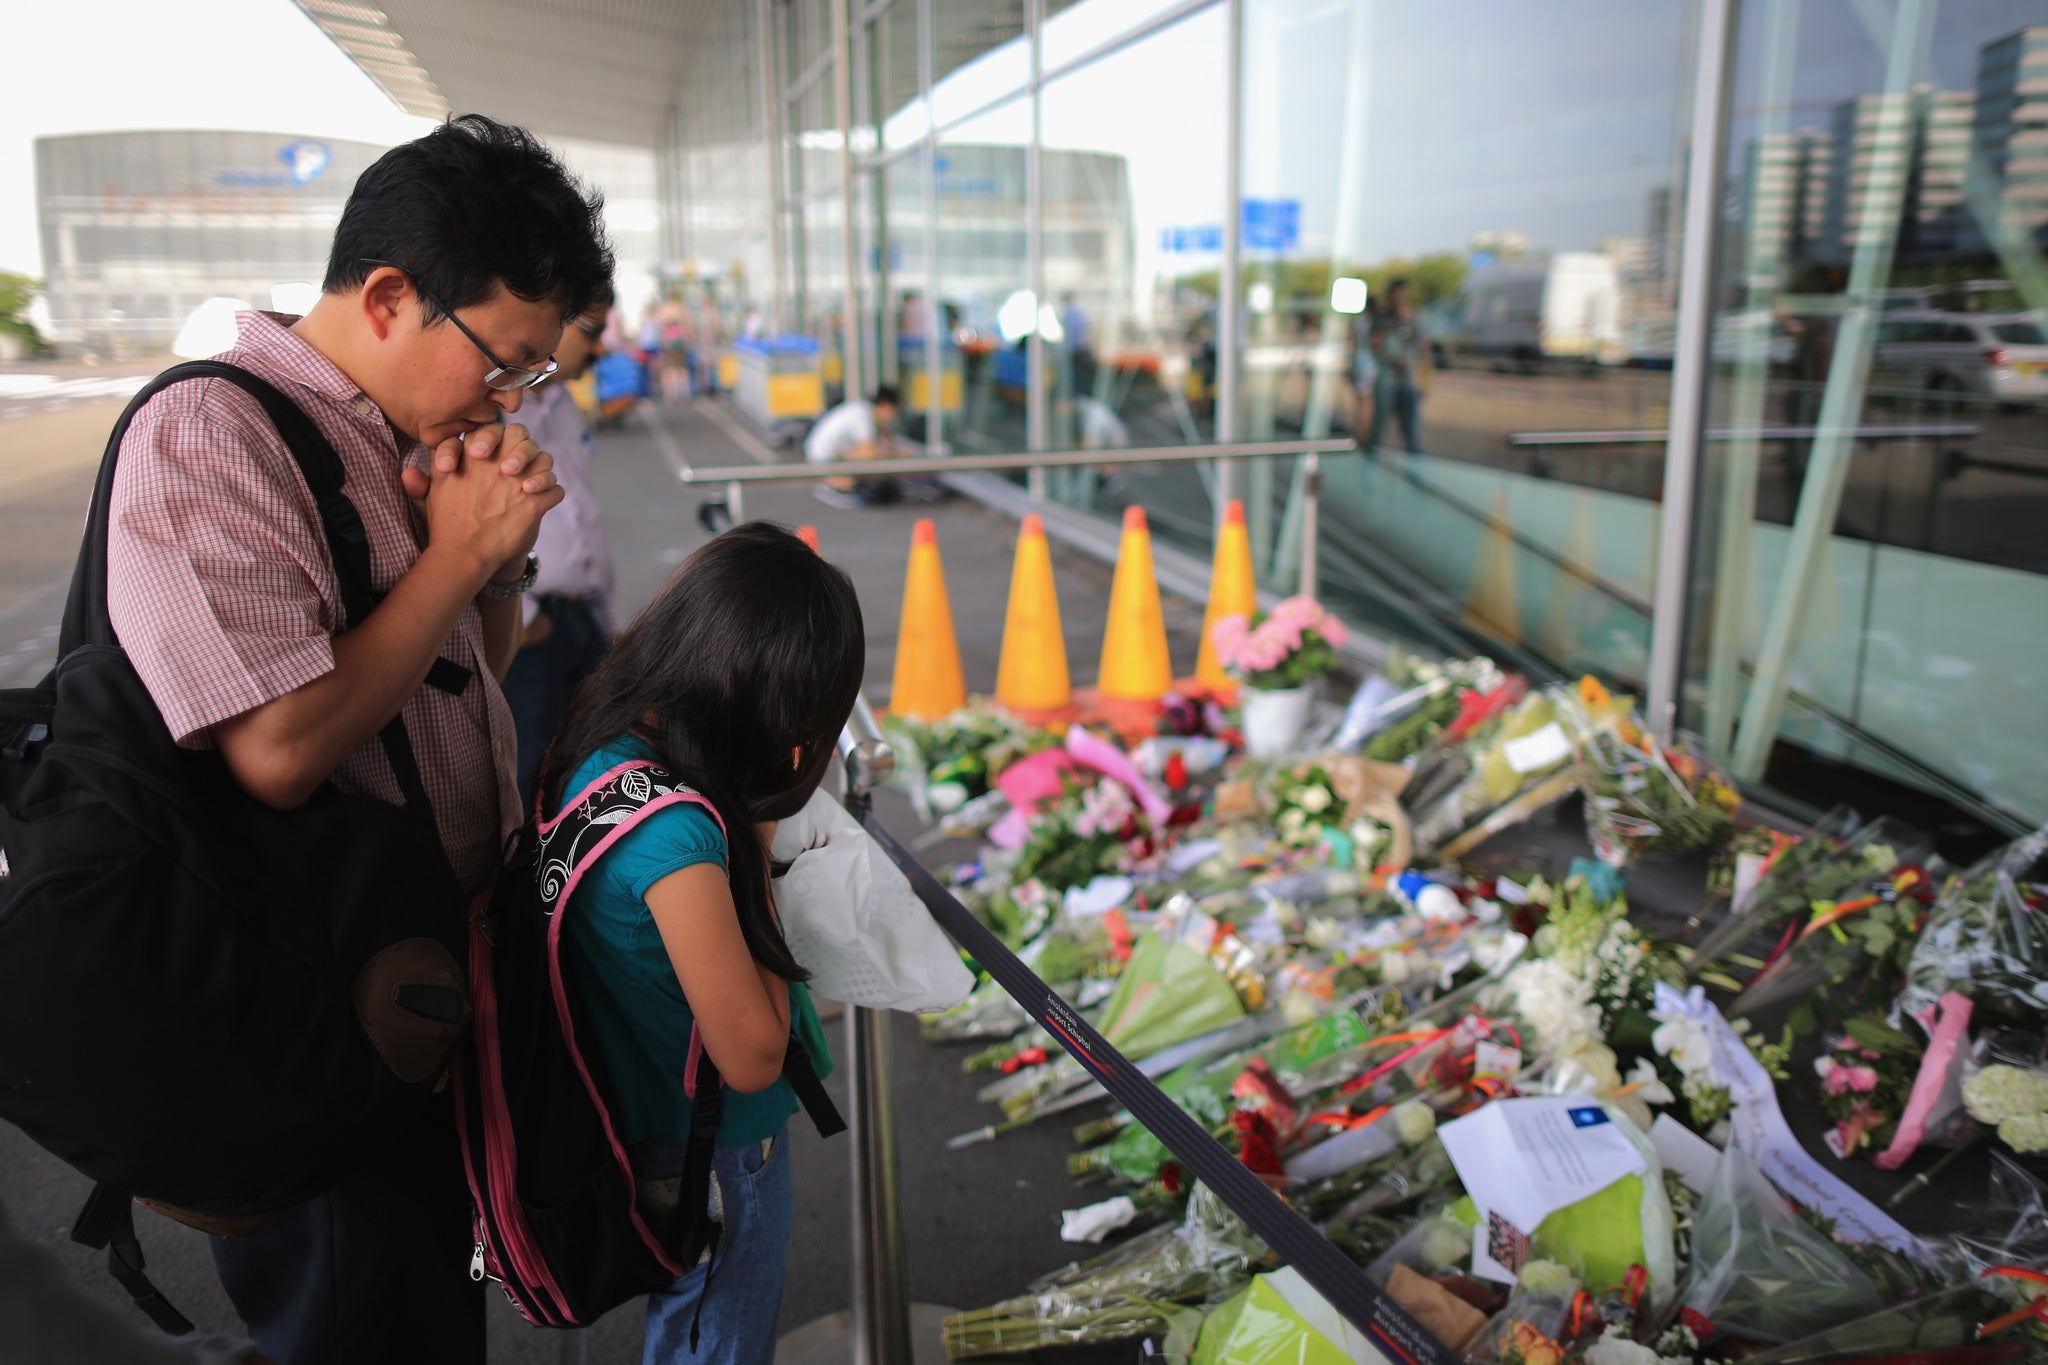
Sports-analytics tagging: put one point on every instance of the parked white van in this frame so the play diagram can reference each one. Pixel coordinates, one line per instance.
(1565, 308)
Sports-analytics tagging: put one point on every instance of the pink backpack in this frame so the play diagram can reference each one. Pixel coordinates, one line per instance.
(557, 1225)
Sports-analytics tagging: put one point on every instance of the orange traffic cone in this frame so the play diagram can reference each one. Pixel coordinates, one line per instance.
(928, 683)
(1134, 662)
(809, 536)
(1031, 677)
(1233, 591)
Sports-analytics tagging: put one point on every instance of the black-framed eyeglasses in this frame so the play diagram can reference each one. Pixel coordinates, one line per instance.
(502, 377)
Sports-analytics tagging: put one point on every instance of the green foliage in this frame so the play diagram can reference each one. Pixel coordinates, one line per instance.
(1436, 276)
(17, 293)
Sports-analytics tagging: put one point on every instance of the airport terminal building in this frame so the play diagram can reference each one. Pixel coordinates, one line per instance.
(139, 229)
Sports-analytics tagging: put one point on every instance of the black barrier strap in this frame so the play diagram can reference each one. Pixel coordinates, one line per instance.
(1365, 1304)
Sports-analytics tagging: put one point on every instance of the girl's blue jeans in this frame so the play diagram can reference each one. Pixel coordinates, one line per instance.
(734, 1298)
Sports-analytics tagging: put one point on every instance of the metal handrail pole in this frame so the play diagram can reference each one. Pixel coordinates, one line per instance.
(881, 1291)
(880, 1314)
(913, 466)
(1655, 435)
(736, 501)
(1311, 503)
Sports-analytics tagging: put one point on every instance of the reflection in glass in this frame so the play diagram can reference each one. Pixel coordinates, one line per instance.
(1492, 181)
(982, 265)
(1134, 200)
(1868, 559)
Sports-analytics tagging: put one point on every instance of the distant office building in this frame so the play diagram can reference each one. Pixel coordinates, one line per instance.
(1784, 199)
(139, 229)
(2010, 129)
(1911, 149)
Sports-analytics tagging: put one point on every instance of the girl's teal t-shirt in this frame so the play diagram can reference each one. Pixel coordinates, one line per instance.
(634, 1001)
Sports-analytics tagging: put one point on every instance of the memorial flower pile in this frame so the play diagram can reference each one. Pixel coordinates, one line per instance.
(1324, 961)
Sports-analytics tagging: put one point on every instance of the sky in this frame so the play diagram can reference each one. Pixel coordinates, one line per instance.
(109, 65)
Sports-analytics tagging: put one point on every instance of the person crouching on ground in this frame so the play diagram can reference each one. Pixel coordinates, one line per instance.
(858, 429)
(736, 679)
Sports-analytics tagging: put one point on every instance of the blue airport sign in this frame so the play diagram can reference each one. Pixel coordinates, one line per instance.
(1271, 224)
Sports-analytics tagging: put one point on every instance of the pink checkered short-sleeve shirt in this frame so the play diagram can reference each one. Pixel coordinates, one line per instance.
(223, 594)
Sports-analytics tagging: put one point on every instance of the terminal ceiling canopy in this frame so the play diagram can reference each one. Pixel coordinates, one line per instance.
(602, 70)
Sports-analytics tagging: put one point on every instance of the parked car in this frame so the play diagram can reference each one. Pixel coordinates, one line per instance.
(1994, 355)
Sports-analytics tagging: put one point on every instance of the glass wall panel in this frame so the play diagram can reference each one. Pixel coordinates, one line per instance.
(978, 54)
(983, 278)
(898, 106)
(1509, 167)
(1134, 206)
(1870, 543)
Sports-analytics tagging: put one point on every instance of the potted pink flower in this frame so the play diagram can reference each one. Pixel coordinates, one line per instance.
(1278, 655)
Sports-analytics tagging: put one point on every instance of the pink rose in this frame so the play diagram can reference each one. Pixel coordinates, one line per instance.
(1850, 1080)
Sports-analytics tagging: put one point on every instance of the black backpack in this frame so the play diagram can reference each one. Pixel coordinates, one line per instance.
(558, 1225)
(214, 1006)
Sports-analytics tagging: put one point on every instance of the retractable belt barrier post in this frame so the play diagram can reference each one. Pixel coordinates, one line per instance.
(1403, 1339)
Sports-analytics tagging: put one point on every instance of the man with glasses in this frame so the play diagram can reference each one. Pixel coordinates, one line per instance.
(569, 608)
(456, 265)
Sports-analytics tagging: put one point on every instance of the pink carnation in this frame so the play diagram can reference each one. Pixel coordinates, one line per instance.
(1853, 1080)
(1228, 635)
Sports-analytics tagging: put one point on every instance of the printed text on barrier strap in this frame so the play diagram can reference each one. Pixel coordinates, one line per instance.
(1391, 1329)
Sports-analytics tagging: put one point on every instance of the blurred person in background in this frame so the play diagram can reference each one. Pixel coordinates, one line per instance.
(568, 610)
(858, 429)
(1400, 356)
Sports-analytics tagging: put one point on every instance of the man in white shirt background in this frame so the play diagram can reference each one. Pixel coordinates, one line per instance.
(858, 429)
(569, 608)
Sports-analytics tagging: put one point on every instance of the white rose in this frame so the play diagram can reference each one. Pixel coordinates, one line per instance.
(1616, 1349)
(1291, 821)
(1393, 967)
(1313, 799)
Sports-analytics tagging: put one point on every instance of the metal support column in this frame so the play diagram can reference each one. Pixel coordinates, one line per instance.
(771, 143)
(1692, 360)
(1827, 468)
(928, 234)
(1735, 472)
(1037, 423)
(1230, 287)
(849, 251)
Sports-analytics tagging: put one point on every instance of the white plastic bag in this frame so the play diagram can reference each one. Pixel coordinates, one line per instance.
(852, 920)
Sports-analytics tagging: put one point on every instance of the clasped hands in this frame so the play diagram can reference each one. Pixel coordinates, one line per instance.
(483, 495)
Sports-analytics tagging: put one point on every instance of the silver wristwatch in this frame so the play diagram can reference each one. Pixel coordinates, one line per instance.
(505, 592)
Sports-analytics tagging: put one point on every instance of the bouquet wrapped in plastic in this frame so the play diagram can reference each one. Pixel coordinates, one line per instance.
(1987, 938)
(1129, 1292)
(1762, 1273)
(1518, 765)
(1644, 796)
(1840, 858)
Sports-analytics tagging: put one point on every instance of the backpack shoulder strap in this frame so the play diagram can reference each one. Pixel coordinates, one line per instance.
(810, 1090)
(86, 619)
(607, 809)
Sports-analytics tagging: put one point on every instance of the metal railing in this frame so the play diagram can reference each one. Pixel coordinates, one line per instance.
(1656, 435)
(735, 478)
(880, 1327)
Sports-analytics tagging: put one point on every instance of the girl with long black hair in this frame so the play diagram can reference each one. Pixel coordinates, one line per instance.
(736, 679)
